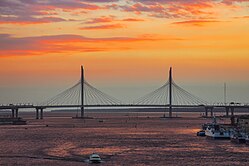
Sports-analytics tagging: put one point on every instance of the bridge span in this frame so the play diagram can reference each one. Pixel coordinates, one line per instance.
(40, 109)
(83, 95)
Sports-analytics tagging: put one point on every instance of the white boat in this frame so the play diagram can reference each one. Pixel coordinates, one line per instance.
(95, 158)
(216, 131)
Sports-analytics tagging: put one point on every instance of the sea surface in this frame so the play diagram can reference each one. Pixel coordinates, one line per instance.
(119, 138)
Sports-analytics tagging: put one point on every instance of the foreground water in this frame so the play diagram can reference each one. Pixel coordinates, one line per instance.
(120, 139)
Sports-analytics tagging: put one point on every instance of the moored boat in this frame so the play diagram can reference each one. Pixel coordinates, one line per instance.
(201, 133)
(238, 137)
(217, 131)
(247, 139)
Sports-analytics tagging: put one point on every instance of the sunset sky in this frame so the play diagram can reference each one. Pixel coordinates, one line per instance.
(126, 47)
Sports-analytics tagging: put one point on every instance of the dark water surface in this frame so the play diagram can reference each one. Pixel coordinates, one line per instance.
(120, 139)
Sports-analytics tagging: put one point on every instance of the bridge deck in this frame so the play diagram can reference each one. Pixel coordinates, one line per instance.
(119, 105)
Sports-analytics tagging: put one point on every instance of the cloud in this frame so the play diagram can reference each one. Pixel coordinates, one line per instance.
(99, 23)
(99, 27)
(189, 9)
(29, 20)
(40, 45)
(172, 9)
(138, 8)
(132, 19)
(190, 1)
(232, 2)
(111, 18)
(102, 19)
(198, 23)
(100, 1)
(241, 17)
(34, 11)
(40, 11)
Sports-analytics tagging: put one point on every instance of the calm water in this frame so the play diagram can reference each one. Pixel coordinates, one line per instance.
(121, 139)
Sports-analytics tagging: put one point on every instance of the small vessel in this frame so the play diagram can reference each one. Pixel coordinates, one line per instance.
(247, 139)
(238, 137)
(201, 133)
(216, 131)
(95, 158)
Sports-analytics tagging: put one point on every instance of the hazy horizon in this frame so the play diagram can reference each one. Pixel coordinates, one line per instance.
(126, 47)
(126, 92)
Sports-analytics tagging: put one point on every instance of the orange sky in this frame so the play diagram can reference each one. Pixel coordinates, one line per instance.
(122, 43)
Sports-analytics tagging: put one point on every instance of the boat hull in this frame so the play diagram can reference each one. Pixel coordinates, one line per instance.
(201, 133)
(95, 161)
(238, 141)
(217, 135)
(247, 141)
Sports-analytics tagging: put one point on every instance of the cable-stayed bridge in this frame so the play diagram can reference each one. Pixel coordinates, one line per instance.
(83, 94)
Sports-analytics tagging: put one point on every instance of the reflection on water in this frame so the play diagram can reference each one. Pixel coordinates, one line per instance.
(112, 150)
(237, 148)
(121, 140)
(61, 150)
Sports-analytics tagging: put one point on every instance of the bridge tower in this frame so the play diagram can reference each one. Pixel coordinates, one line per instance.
(82, 93)
(170, 92)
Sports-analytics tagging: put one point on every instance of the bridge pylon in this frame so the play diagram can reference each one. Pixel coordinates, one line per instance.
(170, 92)
(82, 109)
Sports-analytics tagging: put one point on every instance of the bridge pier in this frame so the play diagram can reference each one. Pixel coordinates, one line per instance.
(37, 113)
(41, 113)
(206, 111)
(227, 111)
(212, 112)
(16, 110)
(232, 111)
(12, 113)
